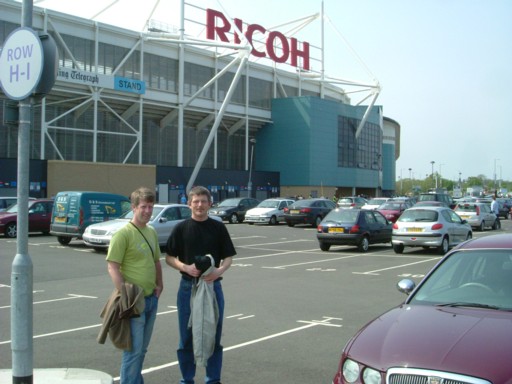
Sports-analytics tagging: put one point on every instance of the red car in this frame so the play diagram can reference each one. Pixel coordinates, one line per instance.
(454, 327)
(39, 217)
(392, 210)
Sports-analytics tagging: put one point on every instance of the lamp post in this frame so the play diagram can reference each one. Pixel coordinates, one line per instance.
(249, 183)
(495, 174)
(432, 162)
(440, 176)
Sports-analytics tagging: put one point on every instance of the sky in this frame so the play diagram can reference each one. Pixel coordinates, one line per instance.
(444, 66)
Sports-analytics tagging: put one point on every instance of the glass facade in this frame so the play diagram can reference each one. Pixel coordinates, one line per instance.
(82, 127)
(363, 152)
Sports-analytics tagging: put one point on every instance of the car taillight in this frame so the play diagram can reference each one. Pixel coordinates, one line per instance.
(395, 226)
(477, 210)
(286, 210)
(354, 229)
(437, 226)
(305, 210)
(81, 218)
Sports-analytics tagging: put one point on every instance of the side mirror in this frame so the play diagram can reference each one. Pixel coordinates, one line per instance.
(406, 286)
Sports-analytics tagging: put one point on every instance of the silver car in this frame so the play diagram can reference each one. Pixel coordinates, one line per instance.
(438, 227)
(478, 215)
(269, 211)
(164, 218)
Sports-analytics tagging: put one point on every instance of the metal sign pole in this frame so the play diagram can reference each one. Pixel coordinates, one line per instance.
(22, 269)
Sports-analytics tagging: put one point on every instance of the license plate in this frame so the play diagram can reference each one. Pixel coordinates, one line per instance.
(294, 211)
(336, 230)
(60, 219)
(414, 229)
(464, 217)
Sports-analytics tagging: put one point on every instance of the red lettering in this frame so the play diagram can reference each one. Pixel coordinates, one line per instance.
(249, 33)
(271, 45)
(240, 25)
(296, 52)
(278, 48)
(211, 25)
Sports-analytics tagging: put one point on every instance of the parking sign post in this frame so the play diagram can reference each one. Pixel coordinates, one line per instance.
(21, 64)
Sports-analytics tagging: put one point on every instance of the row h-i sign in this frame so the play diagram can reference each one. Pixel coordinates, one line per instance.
(28, 64)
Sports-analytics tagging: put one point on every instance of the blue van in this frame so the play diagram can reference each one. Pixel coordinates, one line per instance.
(73, 211)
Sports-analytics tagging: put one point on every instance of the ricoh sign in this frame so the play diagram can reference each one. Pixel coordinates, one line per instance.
(278, 47)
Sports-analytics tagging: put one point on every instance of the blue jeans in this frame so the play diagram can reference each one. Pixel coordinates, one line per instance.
(141, 330)
(186, 348)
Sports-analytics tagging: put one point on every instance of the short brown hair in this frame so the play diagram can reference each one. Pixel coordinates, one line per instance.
(198, 191)
(142, 194)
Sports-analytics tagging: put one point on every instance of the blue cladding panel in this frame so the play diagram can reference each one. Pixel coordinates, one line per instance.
(302, 144)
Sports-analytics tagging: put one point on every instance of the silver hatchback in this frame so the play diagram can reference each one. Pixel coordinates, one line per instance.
(478, 215)
(438, 227)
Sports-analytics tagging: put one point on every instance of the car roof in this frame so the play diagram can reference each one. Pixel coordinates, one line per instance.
(428, 208)
(499, 241)
(169, 205)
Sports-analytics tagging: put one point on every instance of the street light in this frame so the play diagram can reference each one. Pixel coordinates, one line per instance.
(249, 183)
(432, 162)
(495, 175)
(440, 175)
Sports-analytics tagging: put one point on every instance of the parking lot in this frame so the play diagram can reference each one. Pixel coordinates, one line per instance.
(290, 307)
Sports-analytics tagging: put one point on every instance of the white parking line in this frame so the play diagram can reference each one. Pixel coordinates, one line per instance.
(374, 272)
(309, 324)
(313, 262)
(76, 329)
(72, 297)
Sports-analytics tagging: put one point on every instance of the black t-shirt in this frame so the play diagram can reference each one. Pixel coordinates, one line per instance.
(192, 238)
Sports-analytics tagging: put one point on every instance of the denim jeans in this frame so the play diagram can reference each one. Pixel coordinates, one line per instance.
(141, 330)
(186, 348)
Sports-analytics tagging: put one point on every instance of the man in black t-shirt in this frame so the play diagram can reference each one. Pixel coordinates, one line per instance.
(198, 236)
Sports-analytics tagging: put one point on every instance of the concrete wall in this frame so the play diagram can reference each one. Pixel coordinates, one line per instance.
(102, 177)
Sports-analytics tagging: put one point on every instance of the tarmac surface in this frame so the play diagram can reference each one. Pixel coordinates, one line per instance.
(290, 308)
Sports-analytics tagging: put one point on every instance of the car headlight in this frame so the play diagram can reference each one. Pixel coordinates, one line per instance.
(371, 376)
(350, 371)
(220, 213)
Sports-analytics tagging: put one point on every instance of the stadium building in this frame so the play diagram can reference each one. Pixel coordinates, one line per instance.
(236, 107)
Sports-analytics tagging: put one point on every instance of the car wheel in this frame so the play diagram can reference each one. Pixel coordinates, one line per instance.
(64, 240)
(443, 248)
(398, 248)
(290, 224)
(233, 219)
(273, 220)
(11, 230)
(324, 247)
(482, 226)
(364, 244)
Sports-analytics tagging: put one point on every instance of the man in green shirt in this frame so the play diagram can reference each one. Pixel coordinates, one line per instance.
(134, 257)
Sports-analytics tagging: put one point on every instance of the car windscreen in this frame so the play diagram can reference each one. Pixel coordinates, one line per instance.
(229, 203)
(342, 216)
(390, 206)
(479, 277)
(129, 214)
(269, 204)
(466, 208)
(418, 215)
